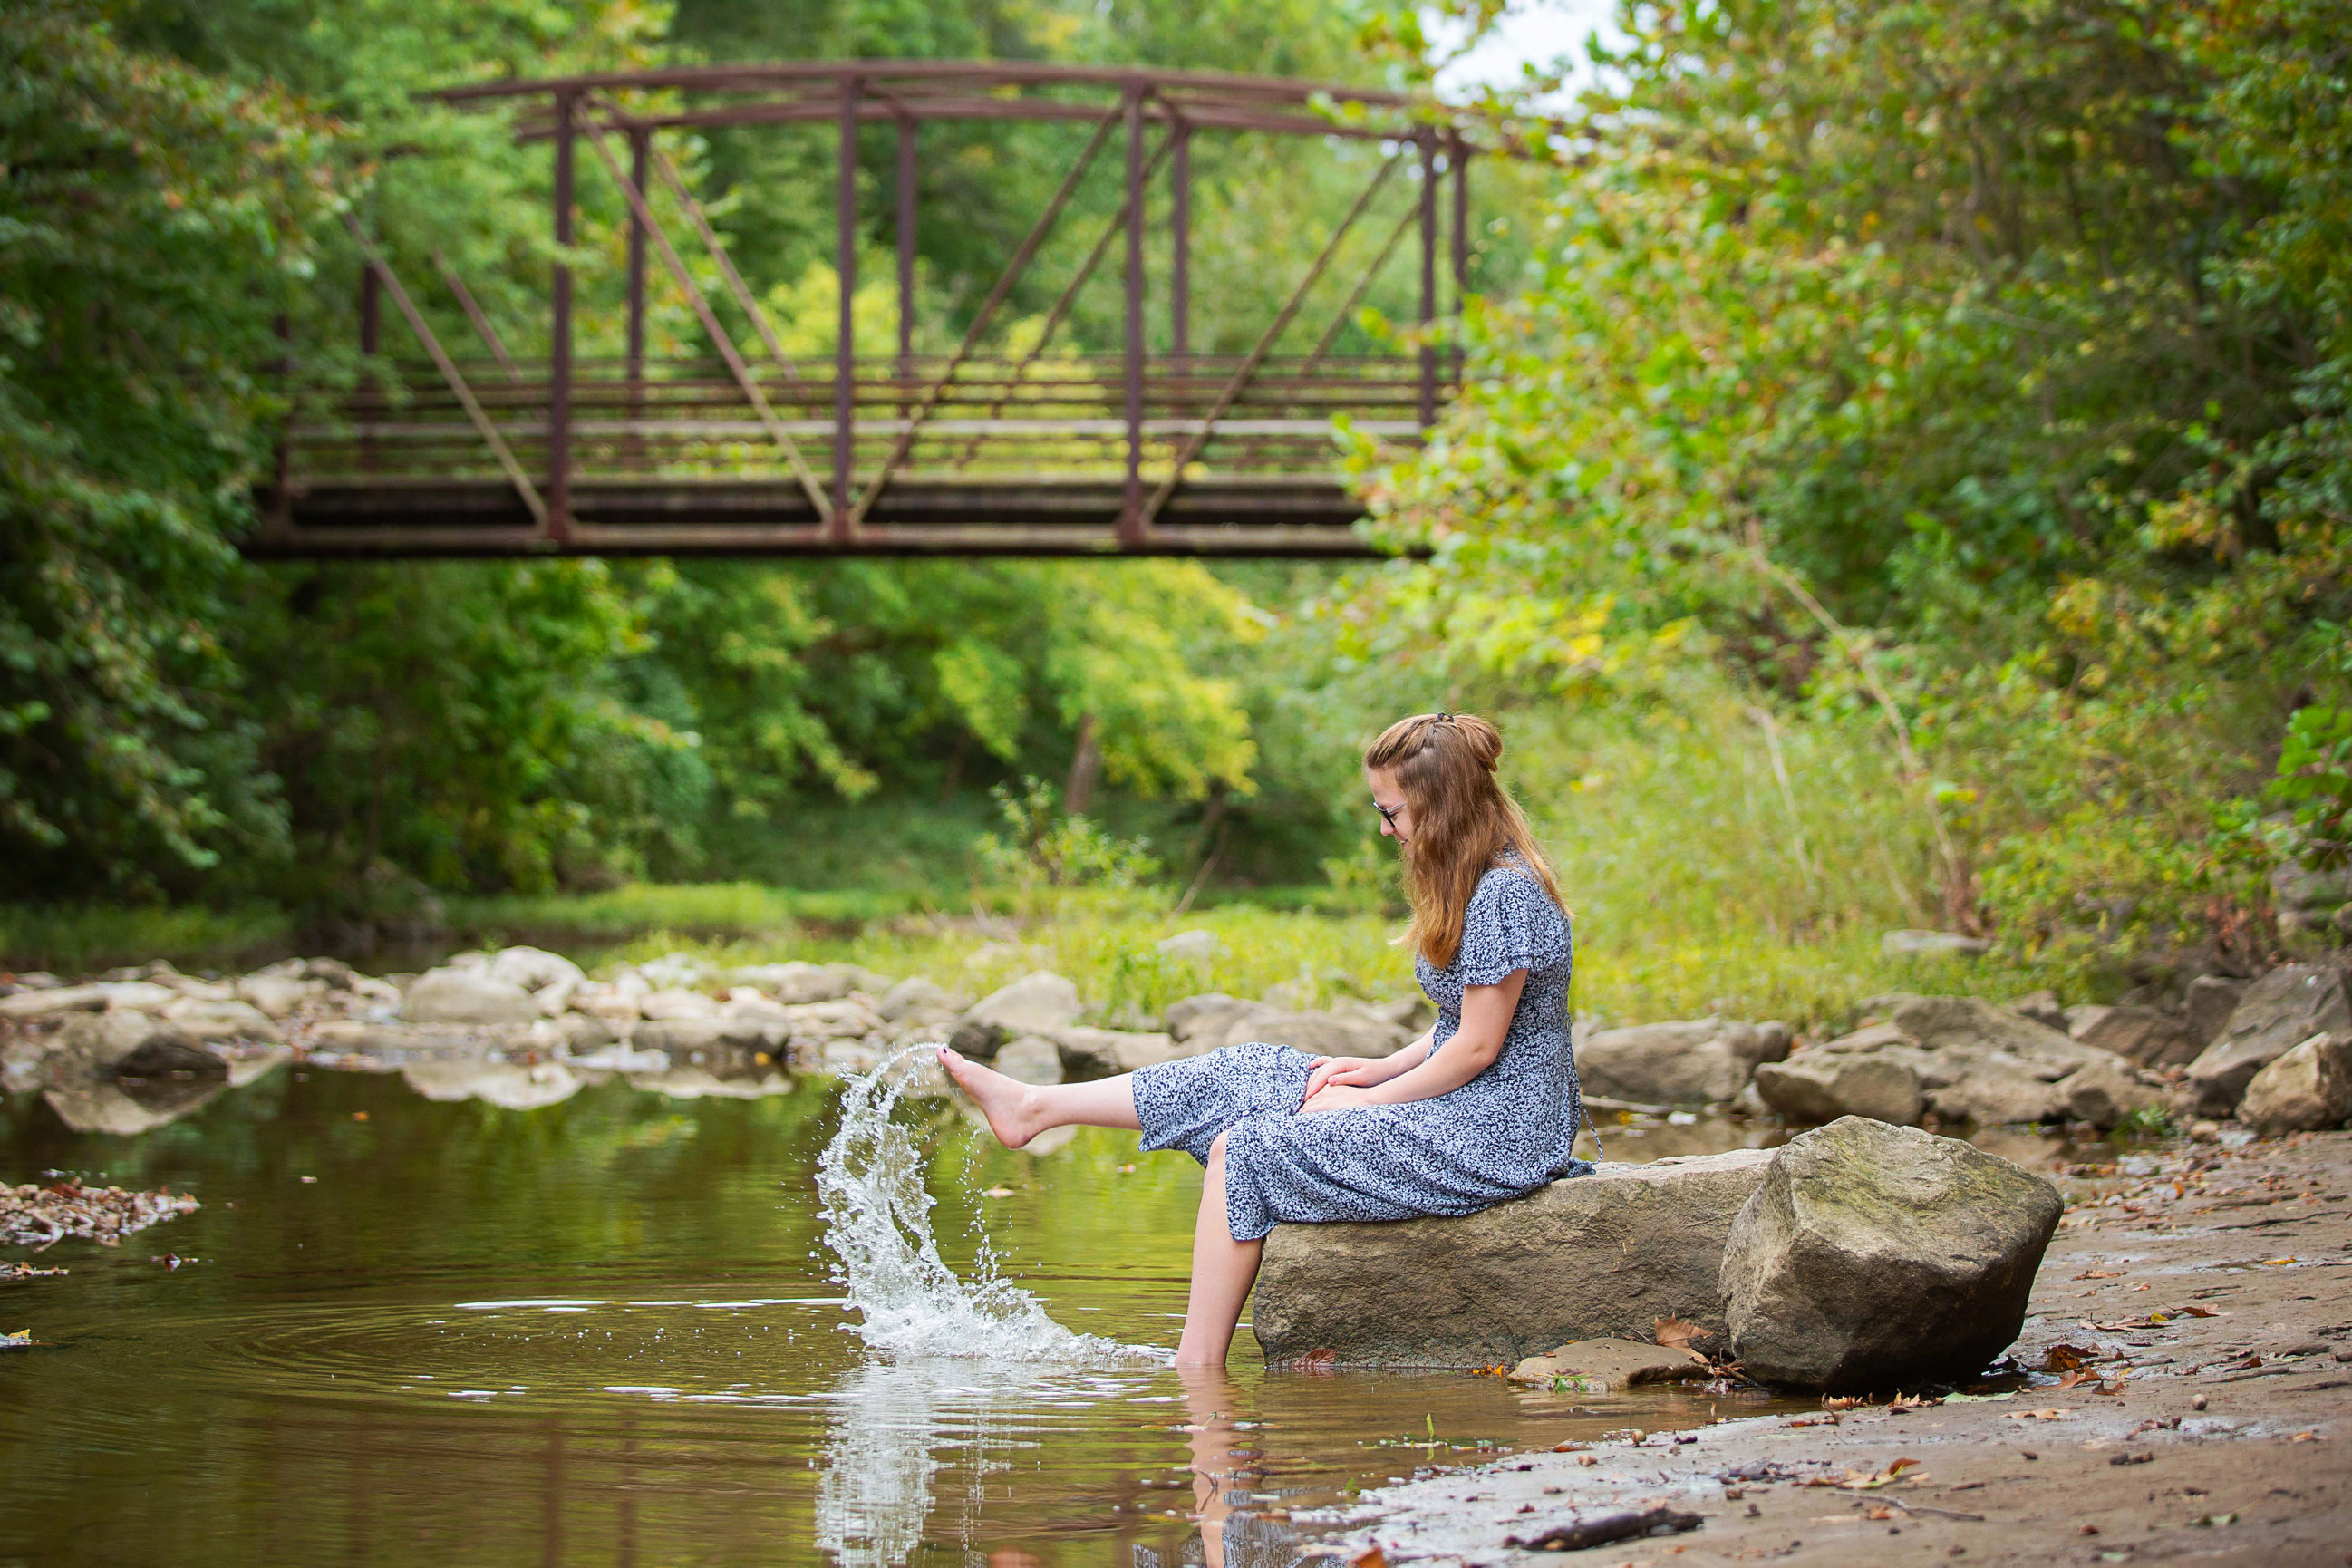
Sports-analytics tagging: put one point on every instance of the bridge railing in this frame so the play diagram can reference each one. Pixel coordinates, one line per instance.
(982, 449)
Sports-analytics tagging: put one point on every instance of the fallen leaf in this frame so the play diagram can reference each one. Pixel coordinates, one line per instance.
(2274, 1262)
(2033, 1416)
(1912, 1401)
(1677, 1333)
(2197, 1311)
(2307, 1437)
(2213, 1519)
(1370, 1557)
(2066, 1357)
(2103, 1274)
(2077, 1376)
(1318, 1360)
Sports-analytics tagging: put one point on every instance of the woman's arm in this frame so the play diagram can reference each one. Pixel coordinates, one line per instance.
(1487, 1012)
(1366, 1071)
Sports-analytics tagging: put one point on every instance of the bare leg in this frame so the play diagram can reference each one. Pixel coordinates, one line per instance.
(1213, 1405)
(1018, 1111)
(1223, 1271)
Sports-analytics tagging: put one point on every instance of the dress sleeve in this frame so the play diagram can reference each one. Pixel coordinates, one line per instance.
(1510, 924)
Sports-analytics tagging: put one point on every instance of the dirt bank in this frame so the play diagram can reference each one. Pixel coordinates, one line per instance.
(2181, 1437)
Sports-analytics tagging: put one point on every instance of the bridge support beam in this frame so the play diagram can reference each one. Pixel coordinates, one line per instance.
(1130, 521)
(844, 353)
(1179, 236)
(1428, 278)
(559, 353)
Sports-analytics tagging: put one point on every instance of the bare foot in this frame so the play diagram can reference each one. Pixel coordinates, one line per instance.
(1010, 1105)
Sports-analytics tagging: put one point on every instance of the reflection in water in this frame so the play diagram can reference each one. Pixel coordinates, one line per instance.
(511, 1085)
(882, 1449)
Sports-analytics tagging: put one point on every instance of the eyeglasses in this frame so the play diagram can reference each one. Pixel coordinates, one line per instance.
(1388, 813)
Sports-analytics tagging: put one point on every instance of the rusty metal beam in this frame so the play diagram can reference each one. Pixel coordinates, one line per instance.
(1355, 296)
(381, 270)
(558, 518)
(1249, 367)
(481, 323)
(845, 352)
(1180, 242)
(1130, 522)
(711, 324)
(1012, 273)
(1428, 279)
(764, 75)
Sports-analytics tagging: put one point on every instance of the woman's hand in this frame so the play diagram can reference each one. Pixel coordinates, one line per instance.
(1363, 1072)
(1337, 1097)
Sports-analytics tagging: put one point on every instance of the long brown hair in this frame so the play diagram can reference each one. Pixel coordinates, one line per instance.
(1464, 821)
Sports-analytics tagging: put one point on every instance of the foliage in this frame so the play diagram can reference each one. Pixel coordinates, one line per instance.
(2314, 777)
(1043, 844)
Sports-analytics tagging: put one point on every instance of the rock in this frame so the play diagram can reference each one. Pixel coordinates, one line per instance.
(676, 1003)
(2142, 1035)
(1998, 1090)
(1702, 1063)
(694, 1083)
(127, 1043)
(1932, 944)
(1820, 1087)
(2209, 1002)
(694, 1040)
(1318, 1033)
(1871, 1257)
(49, 1002)
(1942, 1022)
(1201, 945)
(277, 996)
(1211, 1012)
(1030, 1059)
(534, 969)
(919, 999)
(2278, 1012)
(2307, 1089)
(1610, 1366)
(2042, 1006)
(1597, 1256)
(232, 1020)
(511, 1085)
(2296, 889)
(796, 983)
(2084, 1016)
(87, 1104)
(466, 995)
(1103, 1053)
(841, 1058)
(747, 1002)
(2105, 1094)
(844, 1020)
(1035, 1004)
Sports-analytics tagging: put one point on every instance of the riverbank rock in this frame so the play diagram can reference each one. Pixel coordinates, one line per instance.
(466, 995)
(2277, 1013)
(1597, 1256)
(2142, 1035)
(510, 1086)
(1105, 1053)
(2207, 1004)
(1030, 1059)
(1871, 1257)
(1706, 1062)
(1609, 1367)
(2307, 1089)
(1036, 1003)
(1964, 1059)
(2106, 1094)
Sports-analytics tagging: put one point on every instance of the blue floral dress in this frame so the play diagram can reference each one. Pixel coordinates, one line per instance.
(1506, 1131)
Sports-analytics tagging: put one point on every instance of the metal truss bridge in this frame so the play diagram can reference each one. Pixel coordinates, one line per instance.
(742, 448)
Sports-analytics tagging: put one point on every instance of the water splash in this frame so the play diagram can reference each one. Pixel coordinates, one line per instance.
(877, 1215)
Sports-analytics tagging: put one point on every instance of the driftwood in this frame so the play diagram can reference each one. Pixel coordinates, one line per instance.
(1599, 1526)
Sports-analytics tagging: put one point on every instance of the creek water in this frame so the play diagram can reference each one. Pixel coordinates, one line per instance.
(611, 1331)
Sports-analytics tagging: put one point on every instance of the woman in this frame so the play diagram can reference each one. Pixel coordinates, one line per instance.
(1484, 1107)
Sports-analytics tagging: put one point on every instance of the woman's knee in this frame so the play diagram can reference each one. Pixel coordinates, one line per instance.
(1217, 1148)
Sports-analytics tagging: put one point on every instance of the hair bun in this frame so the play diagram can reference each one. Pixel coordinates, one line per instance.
(1485, 741)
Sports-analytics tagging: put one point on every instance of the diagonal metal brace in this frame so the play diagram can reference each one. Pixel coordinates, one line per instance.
(711, 324)
(1013, 271)
(1249, 367)
(448, 368)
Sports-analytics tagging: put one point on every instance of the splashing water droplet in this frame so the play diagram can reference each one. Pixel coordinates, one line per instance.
(879, 1223)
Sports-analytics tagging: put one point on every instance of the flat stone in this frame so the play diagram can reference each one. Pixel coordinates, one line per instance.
(1872, 1257)
(1597, 1256)
(1610, 1366)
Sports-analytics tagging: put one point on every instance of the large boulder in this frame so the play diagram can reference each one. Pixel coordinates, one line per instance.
(1597, 1256)
(920, 1001)
(466, 995)
(2208, 1003)
(1871, 1257)
(1350, 1034)
(2306, 1090)
(533, 969)
(1208, 1015)
(1036, 1003)
(1705, 1062)
(2278, 1012)
(1030, 1059)
(2142, 1035)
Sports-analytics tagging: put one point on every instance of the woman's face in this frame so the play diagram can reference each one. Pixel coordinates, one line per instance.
(1388, 799)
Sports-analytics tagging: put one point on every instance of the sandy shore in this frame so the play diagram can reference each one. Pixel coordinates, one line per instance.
(2220, 1438)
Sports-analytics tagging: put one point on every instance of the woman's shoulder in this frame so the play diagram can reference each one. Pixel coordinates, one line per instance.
(1510, 886)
